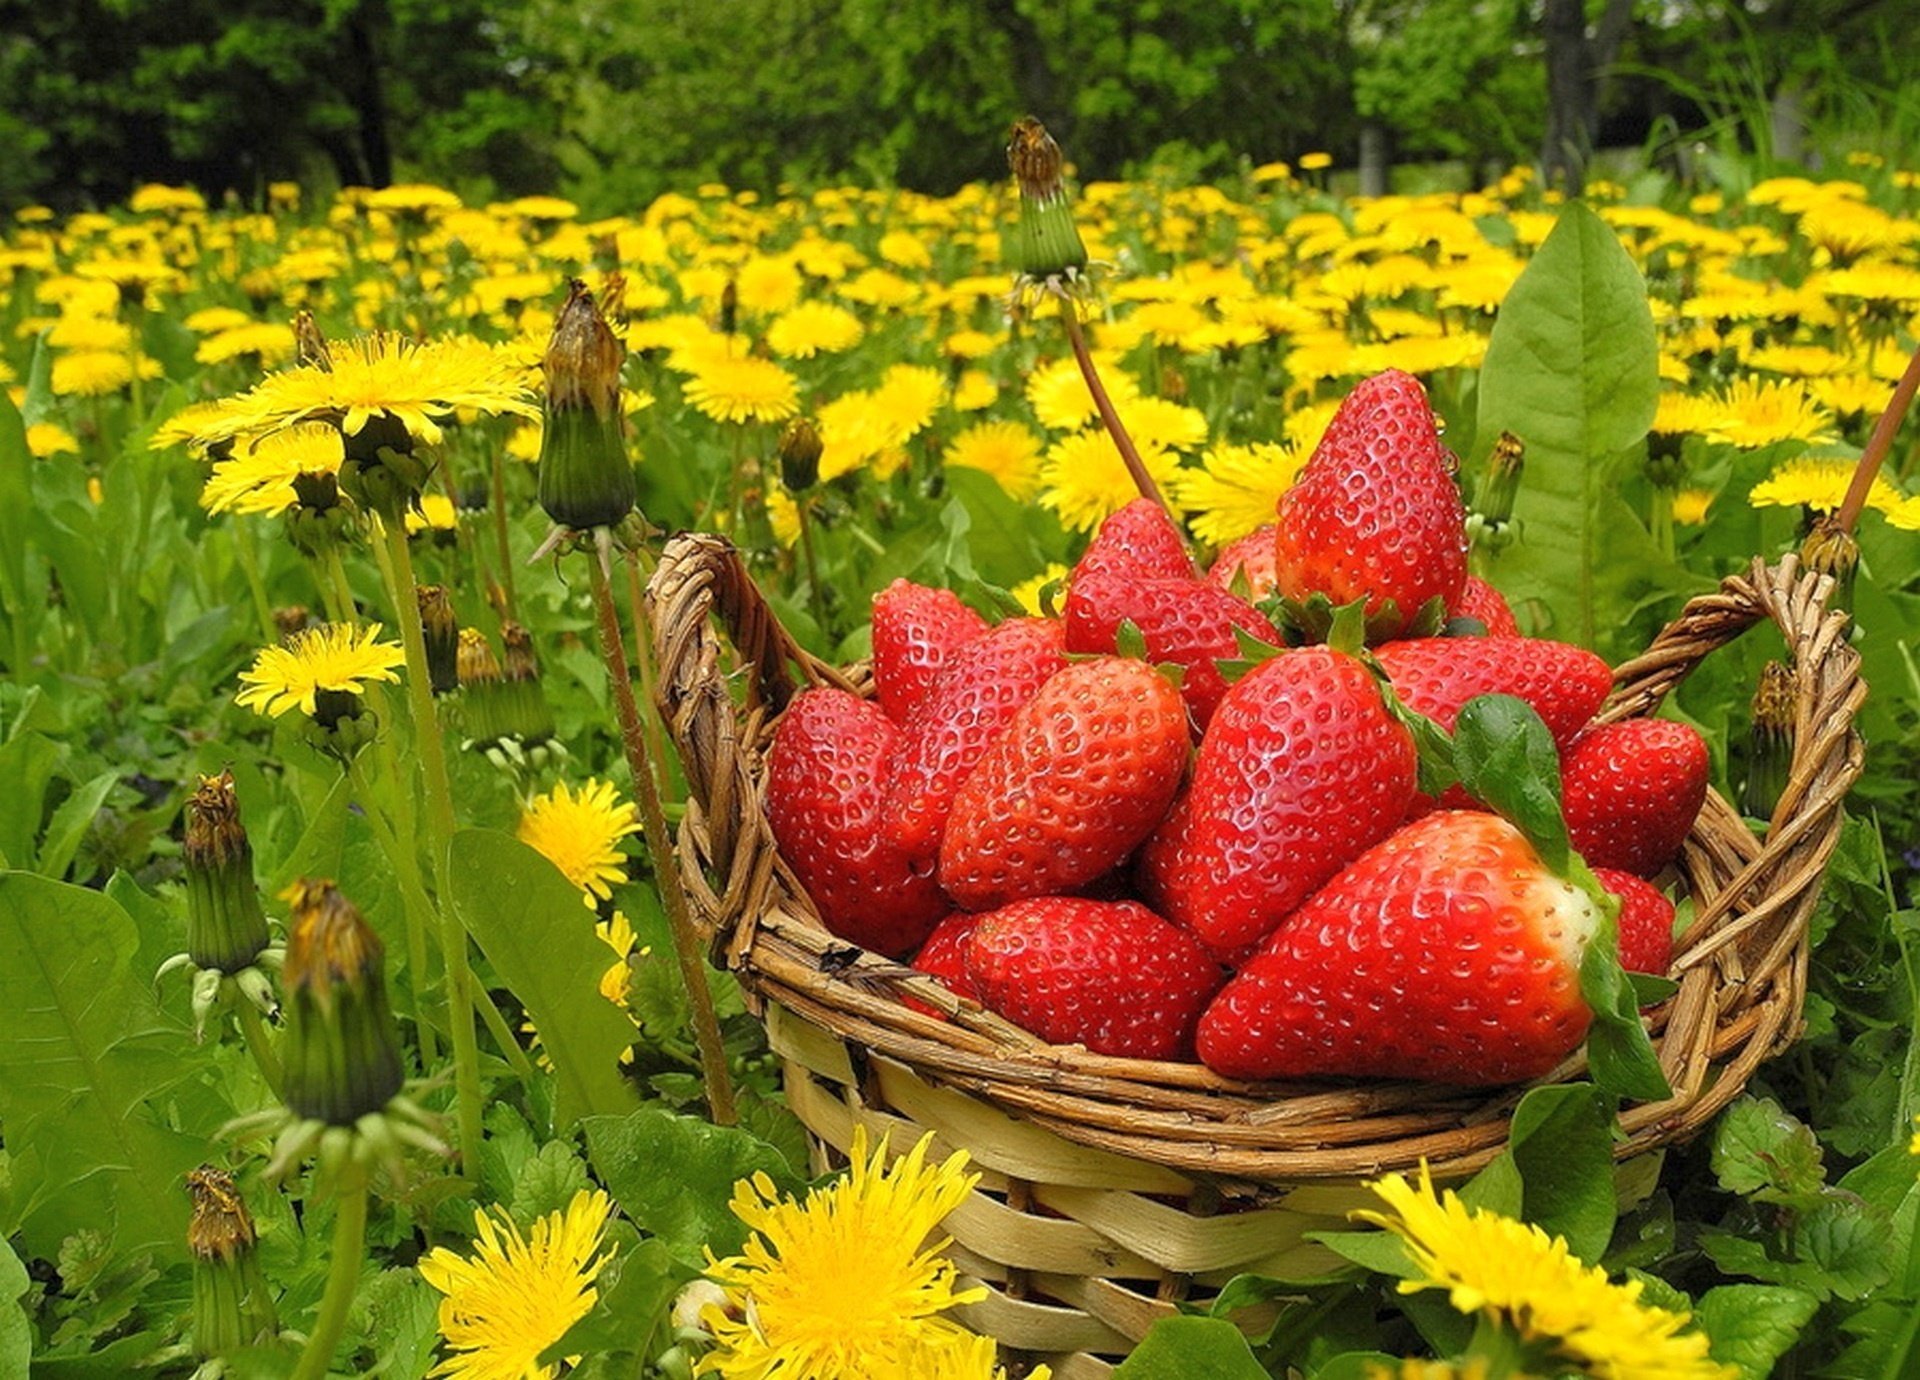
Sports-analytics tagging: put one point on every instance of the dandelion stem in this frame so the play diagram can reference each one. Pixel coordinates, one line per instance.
(653, 824)
(249, 558)
(502, 1033)
(1878, 445)
(415, 904)
(398, 568)
(254, 1030)
(814, 595)
(643, 659)
(500, 533)
(343, 1275)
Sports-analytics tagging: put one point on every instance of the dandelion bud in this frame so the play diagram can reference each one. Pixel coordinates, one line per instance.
(484, 695)
(525, 704)
(342, 1051)
(585, 480)
(1830, 549)
(226, 927)
(232, 1306)
(292, 618)
(729, 308)
(380, 471)
(1769, 742)
(800, 450)
(1501, 480)
(309, 345)
(1046, 243)
(441, 631)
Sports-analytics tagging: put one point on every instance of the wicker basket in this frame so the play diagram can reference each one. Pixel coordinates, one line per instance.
(1113, 1187)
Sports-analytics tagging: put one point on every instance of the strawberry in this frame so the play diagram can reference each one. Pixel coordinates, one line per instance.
(1632, 791)
(1480, 600)
(1253, 554)
(1301, 771)
(916, 631)
(944, 956)
(1110, 975)
(1140, 539)
(1646, 922)
(1376, 514)
(982, 686)
(1448, 953)
(1185, 622)
(823, 800)
(1437, 675)
(1079, 777)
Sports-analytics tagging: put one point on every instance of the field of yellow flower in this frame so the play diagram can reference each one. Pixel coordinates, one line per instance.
(316, 733)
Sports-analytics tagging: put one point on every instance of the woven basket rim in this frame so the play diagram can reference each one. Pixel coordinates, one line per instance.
(1741, 965)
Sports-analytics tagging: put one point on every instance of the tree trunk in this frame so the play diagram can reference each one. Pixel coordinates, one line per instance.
(1787, 119)
(1577, 73)
(370, 101)
(1375, 165)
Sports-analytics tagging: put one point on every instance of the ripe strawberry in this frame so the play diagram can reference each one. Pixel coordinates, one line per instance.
(1376, 514)
(1438, 675)
(1646, 922)
(1631, 791)
(1186, 622)
(916, 631)
(944, 956)
(1078, 778)
(1140, 539)
(982, 687)
(1448, 953)
(1110, 975)
(1253, 554)
(1300, 772)
(823, 800)
(1480, 600)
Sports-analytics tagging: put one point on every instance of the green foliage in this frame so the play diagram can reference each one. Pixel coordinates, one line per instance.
(1180, 1348)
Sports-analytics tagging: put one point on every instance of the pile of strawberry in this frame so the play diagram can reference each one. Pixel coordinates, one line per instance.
(1152, 828)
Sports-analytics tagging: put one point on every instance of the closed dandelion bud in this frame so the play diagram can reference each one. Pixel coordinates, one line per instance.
(800, 450)
(309, 345)
(1830, 549)
(380, 471)
(317, 518)
(1045, 243)
(527, 715)
(1500, 481)
(585, 480)
(226, 926)
(441, 630)
(1769, 742)
(729, 308)
(342, 1050)
(484, 696)
(292, 618)
(232, 1306)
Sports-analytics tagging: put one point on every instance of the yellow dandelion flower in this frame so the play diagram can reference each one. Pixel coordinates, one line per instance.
(1162, 423)
(846, 1282)
(1754, 413)
(50, 438)
(90, 333)
(1084, 480)
(975, 390)
(158, 197)
(968, 345)
(516, 1295)
(265, 340)
(1472, 1369)
(765, 286)
(580, 832)
(1236, 488)
(436, 513)
(783, 515)
(1007, 450)
(1058, 394)
(1684, 414)
(1514, 1271)
(879, 288)
(1905, 514)
(1873, 282)
(96, 373)
(903, 249)
(1852, 394)
(213, 320)
(744, 390)
(411, 197)
(259, 476)
(1803, 361)
(1272, 172)
(905, 402)
(814, 328)
(1028, 592)
(1690, 506)
(1305, 426)
(617, 934)
(1820, 484)
(1316, 161)
(417, 384)
(335, 658)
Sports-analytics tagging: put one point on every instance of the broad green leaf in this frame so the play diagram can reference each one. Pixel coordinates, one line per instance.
(1753, 1325)
(70, 822)
(402, 1322)
(1761, 1149)
(16, 1329)
(84, 1051)
(1358, 1365)
(529, 922)
(636, 1291)
(547, 1182)
(1186, 1348)
(27, 764)
(1497, 1188)
(1660, 1294)
(1572, 370)
(1837, 1250)
(674, 1176)
(1379, 1251)
(1506, 758)
(1562, 1144)
(23, 604)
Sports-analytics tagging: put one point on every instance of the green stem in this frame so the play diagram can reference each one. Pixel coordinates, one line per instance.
(335, 593)
(415, 904)
(503, 1036)
(254, 1030)
(1129, 455)
(343, 1276)
(814, 596)
(398, 567)
(666, 876)
(249, 559)
(500, 530)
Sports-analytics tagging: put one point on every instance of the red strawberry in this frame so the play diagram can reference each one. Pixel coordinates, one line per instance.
(1185, 622)
(982, 687)
(823, 800)
(1646, 922)
(1448, 953)
(1110, 975)
(1074, 784)
(1375, 514)
(1300, 772)
(1255, 555)
(1140, 539)
(944, 956)
(1438, 675)
(1167, 855)
(916, 631)
(1480, 600)
(1631, 792)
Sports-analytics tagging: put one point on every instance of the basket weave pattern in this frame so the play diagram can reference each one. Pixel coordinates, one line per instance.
(1115, 1186)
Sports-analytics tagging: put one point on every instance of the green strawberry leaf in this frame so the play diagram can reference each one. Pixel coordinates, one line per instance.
(991, 598)
(1649, 990)
(1253, 651)
(1432, 744)
(1753, 1325)
(1428, 620)
(1347, 630)
(1050, 594)
(1129, 641)
(1507, 760)
(1618, 1050)
(1239, 586)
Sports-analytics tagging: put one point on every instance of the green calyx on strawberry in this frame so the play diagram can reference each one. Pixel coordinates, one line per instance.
(1181, 622)
(1375, 515)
